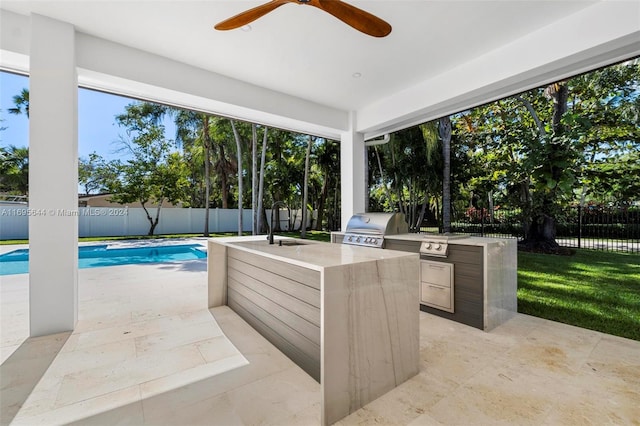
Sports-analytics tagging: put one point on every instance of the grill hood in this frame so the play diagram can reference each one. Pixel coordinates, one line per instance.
(377, 224)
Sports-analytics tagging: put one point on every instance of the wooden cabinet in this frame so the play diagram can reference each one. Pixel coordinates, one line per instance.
(437, 285)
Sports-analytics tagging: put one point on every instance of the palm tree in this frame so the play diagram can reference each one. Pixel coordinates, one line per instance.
(261, 183)
(14, 169)
(305, 190)
(21, 103)
(236, 135)
(444, 130)
(254, 178)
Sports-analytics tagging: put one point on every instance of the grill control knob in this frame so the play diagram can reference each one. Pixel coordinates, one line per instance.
(428, 246)
(357, 239)
(438, 247)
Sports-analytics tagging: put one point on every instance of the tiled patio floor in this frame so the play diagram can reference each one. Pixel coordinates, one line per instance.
(147, 351)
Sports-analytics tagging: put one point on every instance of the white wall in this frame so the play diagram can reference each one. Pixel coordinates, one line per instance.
(104, 221)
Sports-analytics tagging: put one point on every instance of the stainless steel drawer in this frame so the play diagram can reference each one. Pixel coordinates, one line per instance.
(436, 285)
(439, 273)
(437, 296)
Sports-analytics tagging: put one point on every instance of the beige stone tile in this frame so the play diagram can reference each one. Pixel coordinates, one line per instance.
(160, 406)
(598, 401)
(128, 330)
(408, 401)
(14, 321)
(31, 359)
(306, 417)
(211, 411)
(556, 349)
(272, 399)
(173, 338)
(618, 357)
(92, 357)
(424, 420)
(217, 348)
(515, 330)
(364, 417)
(186, 377)
(260, 365)
(103, 321)
(42, 397)
(454, 361)
(102, 380)
(198, 316)
(7, 351)
(120, 407)
(501, 395)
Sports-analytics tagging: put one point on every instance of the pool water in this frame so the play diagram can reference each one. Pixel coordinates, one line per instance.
(17, 261)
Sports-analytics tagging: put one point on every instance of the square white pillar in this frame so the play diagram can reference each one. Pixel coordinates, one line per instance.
(53, 177)
(352, 173)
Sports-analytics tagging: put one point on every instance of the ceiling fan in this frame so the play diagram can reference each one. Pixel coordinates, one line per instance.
(350, 15)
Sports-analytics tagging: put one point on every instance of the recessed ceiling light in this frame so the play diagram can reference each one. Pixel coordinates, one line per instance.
(356, 75)
(246, 28)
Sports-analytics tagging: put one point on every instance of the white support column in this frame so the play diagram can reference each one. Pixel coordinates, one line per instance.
(352, 169)
(53, 177)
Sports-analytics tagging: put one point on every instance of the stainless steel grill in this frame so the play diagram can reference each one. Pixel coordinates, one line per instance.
(369, 229)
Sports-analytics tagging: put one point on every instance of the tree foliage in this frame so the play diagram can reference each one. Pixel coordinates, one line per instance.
(14, 170)
(155, 172)
(570, 142)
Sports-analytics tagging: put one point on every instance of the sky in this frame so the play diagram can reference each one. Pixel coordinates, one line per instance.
(97, 128)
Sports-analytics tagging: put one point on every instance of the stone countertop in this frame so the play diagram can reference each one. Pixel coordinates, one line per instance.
(467, 241)
(310, 254)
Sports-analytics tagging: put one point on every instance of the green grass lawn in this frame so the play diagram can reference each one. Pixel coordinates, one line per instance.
(593, 289)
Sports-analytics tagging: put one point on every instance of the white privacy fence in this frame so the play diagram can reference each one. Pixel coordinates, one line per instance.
(122, 221)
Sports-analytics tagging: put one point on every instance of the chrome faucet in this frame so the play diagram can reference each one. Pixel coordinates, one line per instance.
(273, 207)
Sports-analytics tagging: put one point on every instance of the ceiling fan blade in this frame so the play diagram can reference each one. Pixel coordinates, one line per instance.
(357, 18)
(250, 15)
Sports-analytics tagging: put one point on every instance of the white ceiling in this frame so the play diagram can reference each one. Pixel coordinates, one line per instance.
(295, 68)
(304, 52)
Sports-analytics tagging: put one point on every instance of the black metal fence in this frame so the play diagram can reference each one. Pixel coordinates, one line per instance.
(608, 228)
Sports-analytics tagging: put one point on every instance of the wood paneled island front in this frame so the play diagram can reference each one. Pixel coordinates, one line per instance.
(347, 315)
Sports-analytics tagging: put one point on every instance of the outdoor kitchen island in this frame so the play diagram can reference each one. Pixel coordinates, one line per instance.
(347, 315)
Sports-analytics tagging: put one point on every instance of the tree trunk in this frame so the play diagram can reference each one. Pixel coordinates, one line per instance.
(305, 190)
(207, 172)
(541, 235)
(444, 129)
(382, 178)
(423, 210)
(263, 157)
(323, 199)
(491, 207)
(254, 178)
(236, 135)
(540, 232)
(223, 171)
(152, 222)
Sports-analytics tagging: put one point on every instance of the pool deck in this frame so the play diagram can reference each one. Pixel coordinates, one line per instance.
(146, 350)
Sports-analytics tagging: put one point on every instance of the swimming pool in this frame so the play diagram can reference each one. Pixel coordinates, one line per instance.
(17, 261)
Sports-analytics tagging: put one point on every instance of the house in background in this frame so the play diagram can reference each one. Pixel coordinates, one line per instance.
(297, 68)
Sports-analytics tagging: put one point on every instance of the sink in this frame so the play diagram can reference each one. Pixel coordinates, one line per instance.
(264, 244)
(290, 243)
